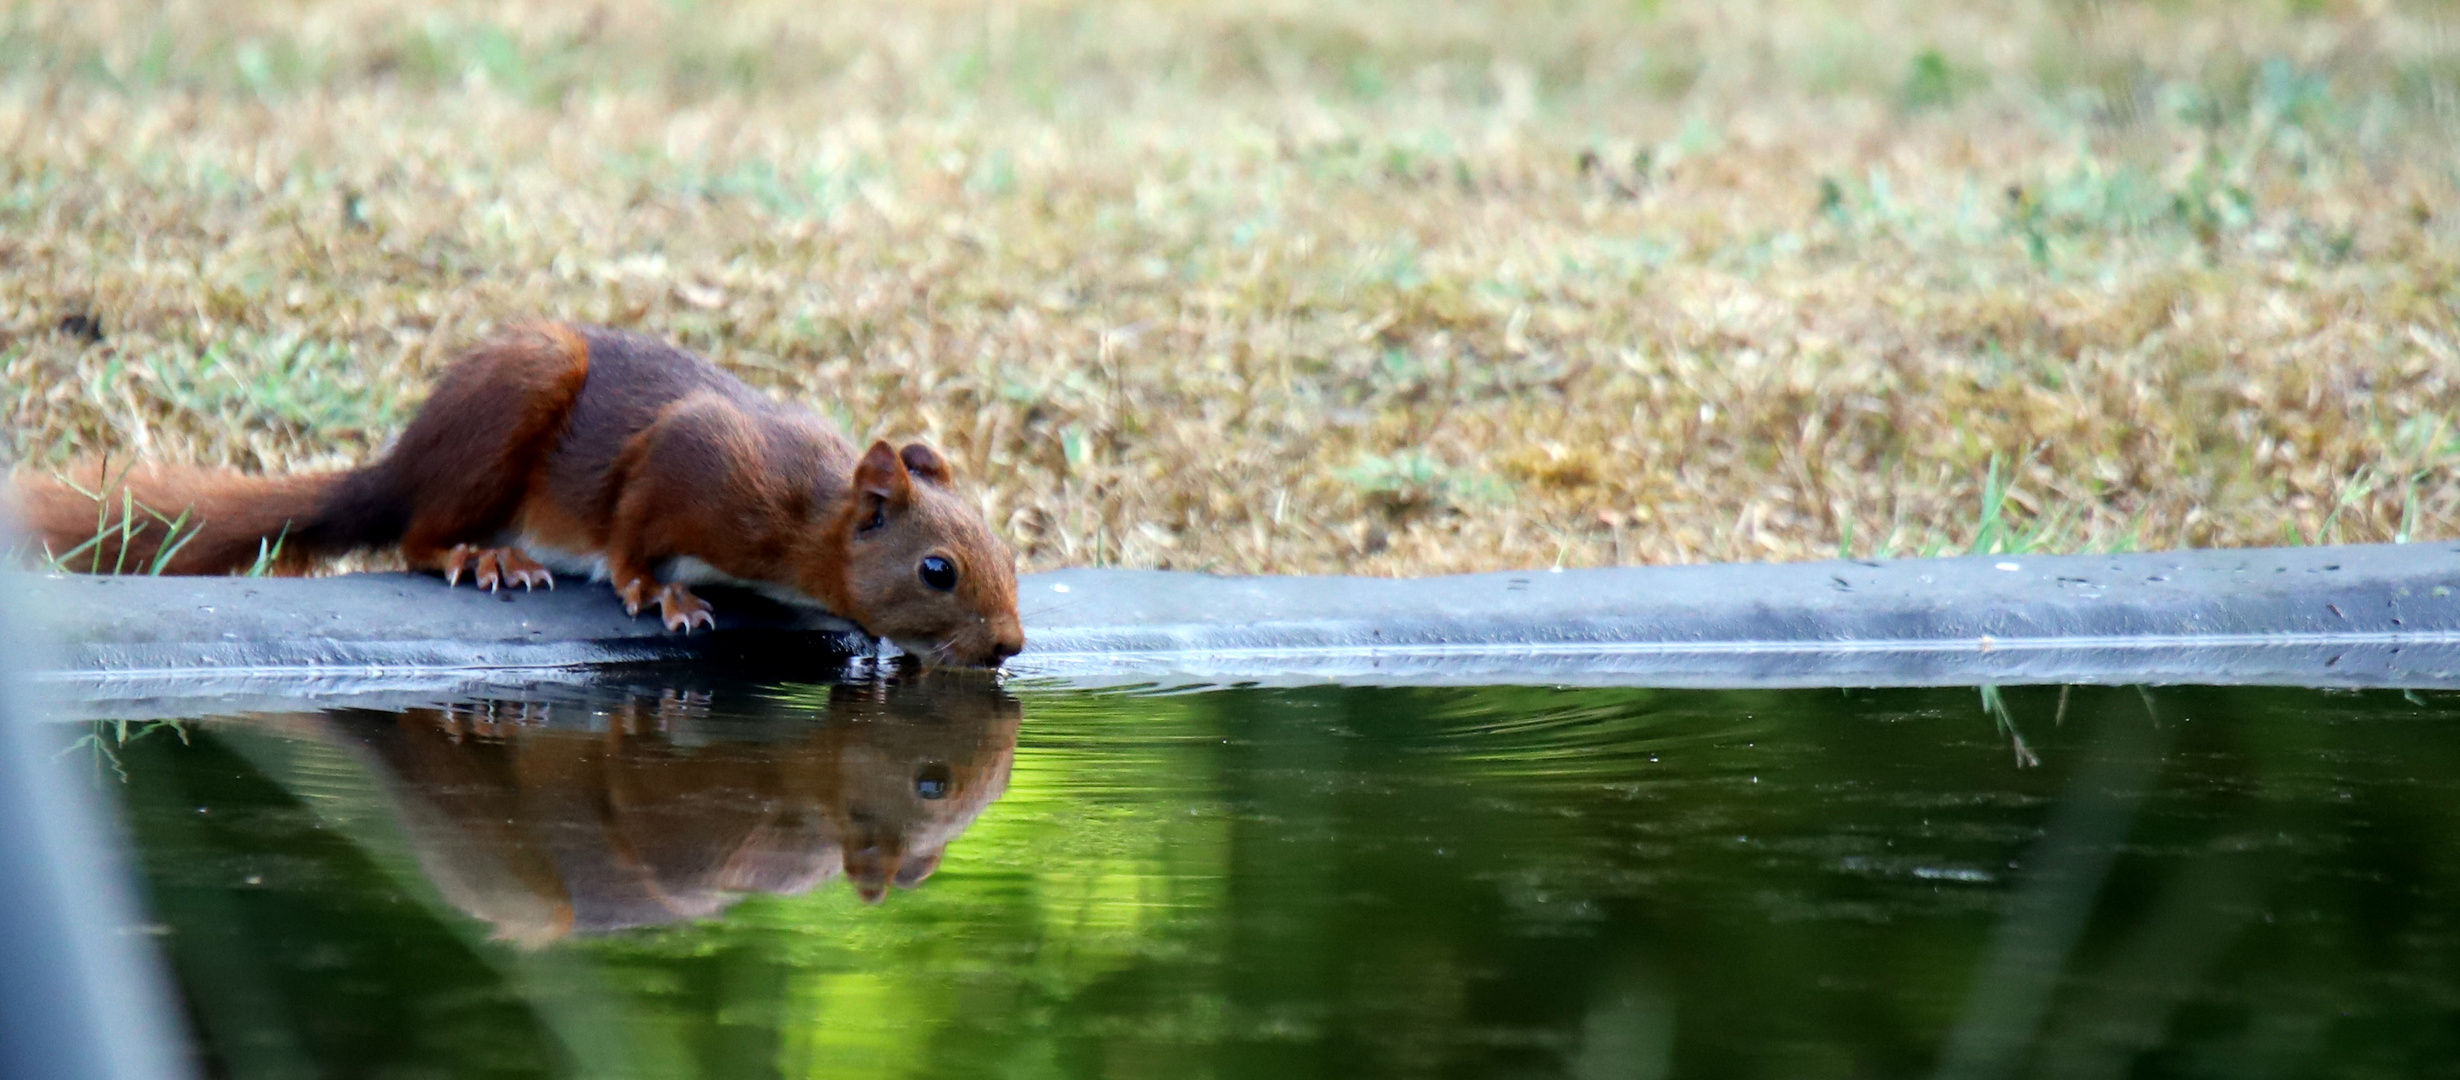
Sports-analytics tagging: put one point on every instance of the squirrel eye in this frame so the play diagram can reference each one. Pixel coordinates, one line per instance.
(932, 781)
(939, 573)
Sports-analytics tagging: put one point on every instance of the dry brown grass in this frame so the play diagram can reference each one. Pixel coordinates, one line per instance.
(1360, 286)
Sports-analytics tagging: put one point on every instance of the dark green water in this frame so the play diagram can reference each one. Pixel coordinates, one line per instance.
(671, 880)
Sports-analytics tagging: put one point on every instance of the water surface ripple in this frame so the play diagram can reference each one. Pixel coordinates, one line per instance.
(706, 876)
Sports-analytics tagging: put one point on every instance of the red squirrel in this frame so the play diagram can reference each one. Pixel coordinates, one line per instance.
(608, 453)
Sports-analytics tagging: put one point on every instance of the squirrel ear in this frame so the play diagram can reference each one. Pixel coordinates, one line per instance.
(880, 483)
(881, 474)
(915, 868)
(924, 463)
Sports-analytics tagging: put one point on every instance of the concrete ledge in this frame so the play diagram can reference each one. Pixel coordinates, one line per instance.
(2375, 615)
(126, 625)
(2371, 615)
(130, 646)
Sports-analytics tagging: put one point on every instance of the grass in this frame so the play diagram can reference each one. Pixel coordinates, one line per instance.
(104, 739)
(132, 519)
(1357, 286)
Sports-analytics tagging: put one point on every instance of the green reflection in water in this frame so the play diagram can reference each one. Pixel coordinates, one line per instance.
(704, 880)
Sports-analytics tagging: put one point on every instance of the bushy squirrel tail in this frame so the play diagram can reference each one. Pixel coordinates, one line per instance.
(151, 519)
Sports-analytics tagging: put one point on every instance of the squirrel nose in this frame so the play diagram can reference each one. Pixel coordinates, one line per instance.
(1004, 648)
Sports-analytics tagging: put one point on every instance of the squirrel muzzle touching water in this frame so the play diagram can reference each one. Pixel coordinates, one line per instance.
(555, 447)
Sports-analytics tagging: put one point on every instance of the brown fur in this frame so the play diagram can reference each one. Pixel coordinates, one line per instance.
(594, 444)
(250, 516)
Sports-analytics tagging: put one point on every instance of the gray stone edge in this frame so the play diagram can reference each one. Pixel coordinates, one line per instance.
(2359, 615)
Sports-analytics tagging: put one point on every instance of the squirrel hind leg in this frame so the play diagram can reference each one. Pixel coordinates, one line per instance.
(465, 469)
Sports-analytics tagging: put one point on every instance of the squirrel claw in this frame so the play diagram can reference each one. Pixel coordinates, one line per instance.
(677, 607)
(493, 569)
(455, 561)
(518, 568)
(681, 611)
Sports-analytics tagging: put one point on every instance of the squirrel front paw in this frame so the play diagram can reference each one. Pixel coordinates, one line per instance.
(677, 607)
(682, 611)
(494, 568)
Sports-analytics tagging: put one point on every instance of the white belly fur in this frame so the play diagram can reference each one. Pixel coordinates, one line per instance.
(564, 563)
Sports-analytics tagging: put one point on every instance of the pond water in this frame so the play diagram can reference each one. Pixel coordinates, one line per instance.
(676, 875)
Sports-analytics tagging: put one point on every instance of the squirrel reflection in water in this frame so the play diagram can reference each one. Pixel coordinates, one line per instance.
(669, 814)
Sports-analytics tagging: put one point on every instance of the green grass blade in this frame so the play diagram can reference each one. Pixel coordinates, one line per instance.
(128, 520)
(268, 554)
(173, 543)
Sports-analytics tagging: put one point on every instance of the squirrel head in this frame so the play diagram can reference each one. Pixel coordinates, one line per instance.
(915, 764)
(915, 563)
